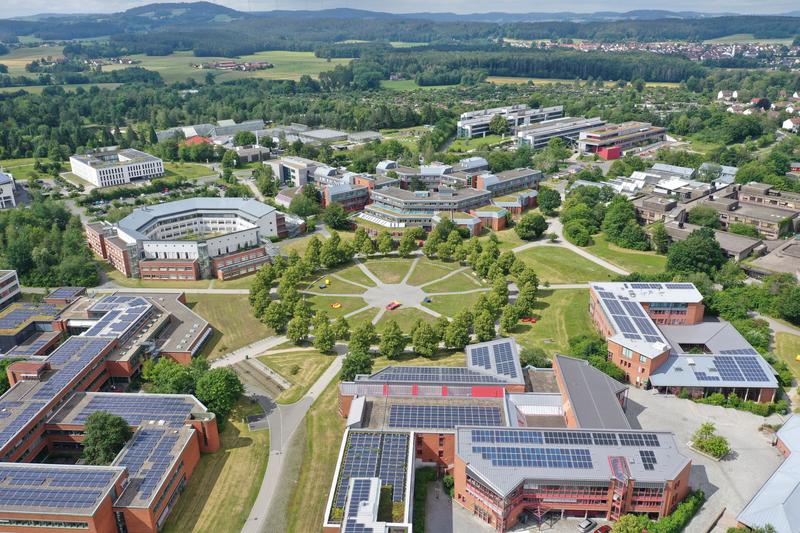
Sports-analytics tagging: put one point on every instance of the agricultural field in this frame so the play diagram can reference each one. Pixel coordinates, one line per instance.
(288, 66)
(17, 58)
(37, 89)
(410, 85)
(504, 80)
(745, 38)
(559, 265)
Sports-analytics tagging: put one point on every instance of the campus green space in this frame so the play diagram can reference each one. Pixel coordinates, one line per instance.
(561, 314)
(427, 271)
(348, 304)
(189, 171)
(177, 66)
(336, 286)
(389, 271)
(352, 273)
(457, 282)
(478, 143)
(234, 325)
(302, 368)
(630, 260)
(554, 264)
(508, 239)
(224, 486)
(405, 318)
(787, 347)
(451, 304)
(119, 279)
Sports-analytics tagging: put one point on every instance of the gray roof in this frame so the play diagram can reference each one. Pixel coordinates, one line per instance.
(503, 476)
(133, 223)
(5, 178)
(778, 501)
(730, 242)
(718, 336)
(688, 369)
(592, 394)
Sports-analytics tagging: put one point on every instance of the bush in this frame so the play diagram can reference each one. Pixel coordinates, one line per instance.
(449, 485)
(422, 477)
(706, 440)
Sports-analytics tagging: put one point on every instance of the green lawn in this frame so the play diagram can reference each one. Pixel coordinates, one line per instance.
(353, 273)
(225, 484)
(508, 239)
(427, 270)
(189, 171)
(630, 260)
(336, 286)
(301, 368)
(478, 143)
(389, 271)
(9, 164)
(349, 304)
(299, 245)
(405, 318)
(243, 282)
(177, 66)
(406, 44)
(233, 322)
(559, 265)
(562, 314)
(462, 281)
(410, 85)
(136, 283)
(787, 346)
(450, 305)
(17, 58)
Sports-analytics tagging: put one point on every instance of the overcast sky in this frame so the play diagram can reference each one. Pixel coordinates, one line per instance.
(11, 8)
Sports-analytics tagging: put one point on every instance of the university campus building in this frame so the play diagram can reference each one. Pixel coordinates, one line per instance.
(522, 444)
(611, 140)
(537, 135)
(189, 239)
(112, 165)
(72, 355)
(657, 335)
(476, 123)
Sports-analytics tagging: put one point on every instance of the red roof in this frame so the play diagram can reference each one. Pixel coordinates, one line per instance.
(196, 140)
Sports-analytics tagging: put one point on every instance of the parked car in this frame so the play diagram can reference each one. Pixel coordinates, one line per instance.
(586, 525)
(603, 529)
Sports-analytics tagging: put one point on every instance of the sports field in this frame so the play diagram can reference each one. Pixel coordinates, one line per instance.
(288, 66)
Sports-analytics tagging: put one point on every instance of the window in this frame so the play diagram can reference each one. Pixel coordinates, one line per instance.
(627, 352)
(642, 359)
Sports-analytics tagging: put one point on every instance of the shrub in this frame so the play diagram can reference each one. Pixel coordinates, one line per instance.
(449, 484)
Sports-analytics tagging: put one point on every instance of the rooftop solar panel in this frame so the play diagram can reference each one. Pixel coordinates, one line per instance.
(443, 416)
(521, 457)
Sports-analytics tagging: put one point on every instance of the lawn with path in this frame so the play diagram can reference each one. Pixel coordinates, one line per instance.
(233, 322)
(427, 270)
(301, 368)
(349, 304)
(561, 314)
(405, 318)
(508, 239)
(389, 271)
(630, 260)
(224, 485)
(336, 286)
(458, 282)
(451, 304)
(559, 265)
(787, 347)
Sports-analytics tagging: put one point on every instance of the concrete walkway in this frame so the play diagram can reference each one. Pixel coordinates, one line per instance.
(250, 351)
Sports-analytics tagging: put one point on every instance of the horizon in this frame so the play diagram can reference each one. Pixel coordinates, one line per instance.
(28, 8)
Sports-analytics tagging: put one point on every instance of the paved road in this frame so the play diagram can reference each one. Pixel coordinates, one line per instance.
(775, 326)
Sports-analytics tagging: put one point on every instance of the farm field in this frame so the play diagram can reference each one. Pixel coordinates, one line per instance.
(559, 265)
(410, 85)
(503, 80)
(225, 484)
(17, 58)
(561, 314)
(288, 66)
(630, 260)
(742, 38)
(37, 89)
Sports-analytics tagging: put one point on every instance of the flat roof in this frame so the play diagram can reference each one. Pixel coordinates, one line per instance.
(770, 214)
(185, 327)
(592, 394)
(430, 196)
(504, 458)
(66, 293)
(432, 414)
(18, 316)
(730, 242)
(744, 370)
(55, 489)
(136, 409)
(107, 157)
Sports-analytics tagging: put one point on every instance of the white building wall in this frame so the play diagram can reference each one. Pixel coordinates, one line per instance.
(118, 174)
(170, 249)
(7, 199)
(9, 286)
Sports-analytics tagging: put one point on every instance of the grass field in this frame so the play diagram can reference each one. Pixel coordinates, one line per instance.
(505, 80)
(288, 66)
(450, 305)
(17, 58)
(234, 325)
(562, 314)
(631, 260)
(410, 85)
(787, 346)
(406, 44)
(427, 271)
(405, 318)
(508, 239)
(37, 89)
(389, 271)
(478, 143)
(740, 38)
(136, 283)
(461, 281)
(353, 273)
(301, 368)
(335, 286)
(225, 484)
(238, 283)
(189, 171)
(349, 304)
(559, 265)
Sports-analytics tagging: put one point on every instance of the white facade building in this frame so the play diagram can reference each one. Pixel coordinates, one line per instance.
(114, 166)
(9, 287)
(7, 189)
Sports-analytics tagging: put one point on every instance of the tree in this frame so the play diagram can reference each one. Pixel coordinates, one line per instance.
(385, 242)
(549, 200)
(297, 329)
(741, 228)
(312, 257)
(230, 159)
(632, 523)
(341, 329)
(276, 316)
(166, 376)
(660, 237)
(362, 338)
(498, 125)
(787, 303)
(509, 318)
(104, 437)
(576, 233)
(354, 364)
(392, 342)
(302, 206)
(705, 216)
(456, 335)
(336, 217)
(484, 327)
(359, 237)
(705, 439)
(620, 226)
(531, 226)
(425, 340)
(244, 138)
(324, 337)
(700, 252)
(535, 357)
(219, 389)
(407, 244)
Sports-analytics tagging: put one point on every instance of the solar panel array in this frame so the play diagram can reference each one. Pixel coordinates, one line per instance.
(515, 456)
(433, 374)
(504, 359)
(65, 292)
(121, 314)
(442, 416)
(735, 368)
(359, 492)
(30, 348)
(53, 488)
(480, 357)
(367, 454)
(147, 458)
(13, 422)
(648, 459)
(581, 438)
(20, 313)
(351, 526)
(138, 408)
(71, 358)
(630, 319)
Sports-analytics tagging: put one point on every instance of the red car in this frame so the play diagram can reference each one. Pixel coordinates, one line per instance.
(603, 529)
(392, 306)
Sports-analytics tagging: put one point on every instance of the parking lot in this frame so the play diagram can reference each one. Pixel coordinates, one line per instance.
(728, 484)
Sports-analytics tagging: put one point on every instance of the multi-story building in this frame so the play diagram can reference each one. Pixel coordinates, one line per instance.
(352, 197)
(610, 140)
(115, 166)
(9, 287)
(189, 239)
(568, 128)
(508, 181)
(737, 247)
(763, 194)
(656, 335)
(8, 189)
(771, 222)
(476, 123)
(653, 208)
(394, 207)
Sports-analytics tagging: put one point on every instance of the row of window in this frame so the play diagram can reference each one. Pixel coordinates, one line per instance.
(52, 524)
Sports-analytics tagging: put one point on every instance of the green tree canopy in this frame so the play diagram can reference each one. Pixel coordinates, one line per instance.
(104, 437)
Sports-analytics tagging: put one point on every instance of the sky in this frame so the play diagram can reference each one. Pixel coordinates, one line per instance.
(12, 8)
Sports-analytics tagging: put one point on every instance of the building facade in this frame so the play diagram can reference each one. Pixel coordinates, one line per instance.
(619, 136)
(115, 166)
(476, 123)
(537, 136)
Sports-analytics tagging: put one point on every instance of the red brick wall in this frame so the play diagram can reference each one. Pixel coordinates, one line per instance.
(96, 241)
(436, 448)
(119, 258)
(186, 269)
